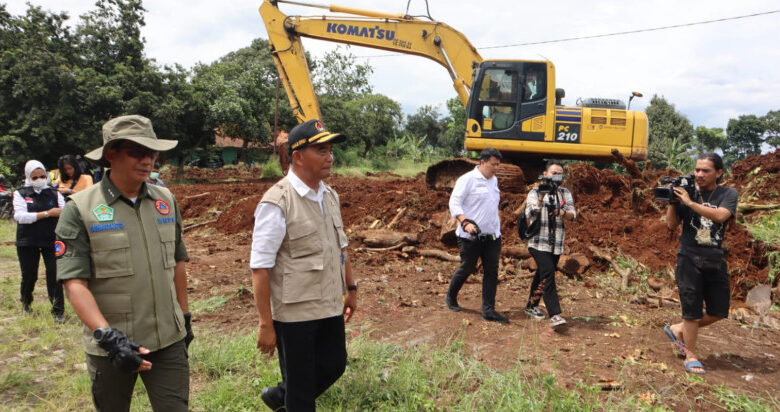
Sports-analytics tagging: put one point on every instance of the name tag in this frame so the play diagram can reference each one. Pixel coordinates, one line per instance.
(165, 220)
(106, 226)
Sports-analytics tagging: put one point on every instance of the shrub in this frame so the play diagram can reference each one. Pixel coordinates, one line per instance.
(271, 168)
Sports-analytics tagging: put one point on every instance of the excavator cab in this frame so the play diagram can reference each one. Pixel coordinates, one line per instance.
(514, 107)
(506, 94)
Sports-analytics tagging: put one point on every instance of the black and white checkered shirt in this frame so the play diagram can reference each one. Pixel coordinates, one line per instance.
(545, 241)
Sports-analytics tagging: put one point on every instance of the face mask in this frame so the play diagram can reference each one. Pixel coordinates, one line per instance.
(154, 175)
(39, 184)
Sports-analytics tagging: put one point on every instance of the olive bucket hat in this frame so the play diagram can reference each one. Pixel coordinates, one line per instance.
(135, 128)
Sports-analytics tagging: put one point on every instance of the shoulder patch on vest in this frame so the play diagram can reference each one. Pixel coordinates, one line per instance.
(162, 207)
(103, 213)
(59, 248)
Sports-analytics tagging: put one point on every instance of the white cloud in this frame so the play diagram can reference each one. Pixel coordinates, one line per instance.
(711, 72)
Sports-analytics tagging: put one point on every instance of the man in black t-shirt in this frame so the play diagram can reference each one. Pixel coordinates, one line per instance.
(701, 273)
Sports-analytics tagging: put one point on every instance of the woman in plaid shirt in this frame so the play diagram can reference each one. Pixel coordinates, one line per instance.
(552, 205)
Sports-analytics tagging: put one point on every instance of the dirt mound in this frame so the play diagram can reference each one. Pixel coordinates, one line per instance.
(616, 212)
(757, 178)
(221, 174)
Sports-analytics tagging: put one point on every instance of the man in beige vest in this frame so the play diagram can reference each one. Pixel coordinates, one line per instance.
(121, 260)
(302, 280)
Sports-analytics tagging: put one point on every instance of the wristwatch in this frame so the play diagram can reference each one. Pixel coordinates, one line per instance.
(46, 214)
(352, 287)
(99, 333)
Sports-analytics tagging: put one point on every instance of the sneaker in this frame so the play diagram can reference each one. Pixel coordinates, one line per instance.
(452, 303)
(59, 319)
(494, 316)
(534, 312)
(556, 321)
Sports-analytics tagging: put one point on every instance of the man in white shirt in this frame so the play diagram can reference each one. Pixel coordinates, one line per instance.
(302, 280)
(474, 203)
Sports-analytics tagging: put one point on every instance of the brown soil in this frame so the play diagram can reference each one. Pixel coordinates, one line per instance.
(401, 298)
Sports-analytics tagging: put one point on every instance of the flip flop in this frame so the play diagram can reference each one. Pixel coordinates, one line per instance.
(694, 364)
(678, 345)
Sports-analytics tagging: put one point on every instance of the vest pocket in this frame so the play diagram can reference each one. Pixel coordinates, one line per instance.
(168, 240)
(302, 281)
(304, 240)
(111, 255)
(117, 308)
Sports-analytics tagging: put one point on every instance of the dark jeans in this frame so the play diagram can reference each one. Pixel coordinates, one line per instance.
(543, 284)
(470, 251)
(167, 383)
(312, 357)
(29, 258)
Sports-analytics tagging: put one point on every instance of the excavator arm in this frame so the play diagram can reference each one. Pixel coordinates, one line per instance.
(393, 32)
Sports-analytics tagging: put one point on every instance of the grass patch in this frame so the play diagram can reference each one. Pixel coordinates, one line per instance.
(7, 234)
(743, 403)
(766, 229)
(208, 305)
(271, 168)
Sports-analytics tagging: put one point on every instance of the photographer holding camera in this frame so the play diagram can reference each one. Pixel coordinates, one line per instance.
(701, 272)
(550, 204)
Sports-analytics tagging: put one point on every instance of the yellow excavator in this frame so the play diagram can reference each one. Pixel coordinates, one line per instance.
(511, 105)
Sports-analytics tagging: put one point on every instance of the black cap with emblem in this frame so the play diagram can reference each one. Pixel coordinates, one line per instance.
(311, 133)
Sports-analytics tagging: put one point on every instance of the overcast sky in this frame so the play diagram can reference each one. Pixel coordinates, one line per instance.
(711, 72)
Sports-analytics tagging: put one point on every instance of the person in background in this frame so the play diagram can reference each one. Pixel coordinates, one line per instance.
(474, 203)
(551, 204)
(72, 179)
(37, 207)
(154, 177)
(3, 185)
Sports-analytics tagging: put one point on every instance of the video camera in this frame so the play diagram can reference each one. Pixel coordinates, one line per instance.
(549, 183)
(665, 193)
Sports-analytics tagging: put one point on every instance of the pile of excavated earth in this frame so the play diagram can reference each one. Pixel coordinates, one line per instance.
(619, 224)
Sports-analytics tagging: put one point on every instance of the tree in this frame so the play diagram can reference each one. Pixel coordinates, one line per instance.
(666, 125)
(772, 120)
(745, 135)
(451, 140)
(425, 123)
(708, 140)
(338, 75)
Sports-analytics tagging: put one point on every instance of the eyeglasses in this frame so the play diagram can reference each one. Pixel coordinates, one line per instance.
(138, 151)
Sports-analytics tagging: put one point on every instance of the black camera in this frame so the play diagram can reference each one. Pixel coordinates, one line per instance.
(665, 193)
(549, 183)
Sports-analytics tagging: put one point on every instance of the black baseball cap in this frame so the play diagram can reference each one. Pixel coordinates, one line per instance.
(311, 133)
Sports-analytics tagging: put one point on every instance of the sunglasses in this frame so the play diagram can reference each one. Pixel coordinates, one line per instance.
(138, 151)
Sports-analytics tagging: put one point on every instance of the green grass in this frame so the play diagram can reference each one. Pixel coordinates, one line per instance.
(402, 167)
(7, 234)
(767, 229)
(208, 305)
(271, 168)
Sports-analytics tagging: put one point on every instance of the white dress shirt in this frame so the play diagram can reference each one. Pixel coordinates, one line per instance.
(477, 198)
(271, 225)
(22, 216)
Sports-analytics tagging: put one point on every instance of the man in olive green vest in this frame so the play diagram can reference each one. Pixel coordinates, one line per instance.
(121, 260)
(302, 280)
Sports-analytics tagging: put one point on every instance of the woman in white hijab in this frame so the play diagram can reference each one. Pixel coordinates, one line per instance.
(37, 208)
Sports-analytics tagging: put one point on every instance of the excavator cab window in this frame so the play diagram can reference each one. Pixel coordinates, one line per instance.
(498, 98)
(534, 82)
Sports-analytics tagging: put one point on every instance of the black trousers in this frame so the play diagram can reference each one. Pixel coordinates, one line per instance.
(29, 258)
(312, 357)
(543, 285)
(167, 383)
(470, 251)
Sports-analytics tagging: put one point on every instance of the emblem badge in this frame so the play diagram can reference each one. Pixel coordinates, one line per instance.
(162, 207)
(103, 213)
(319, 126)
(59, 248)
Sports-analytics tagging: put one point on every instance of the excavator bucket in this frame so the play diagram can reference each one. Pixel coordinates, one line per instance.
(442, 175)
